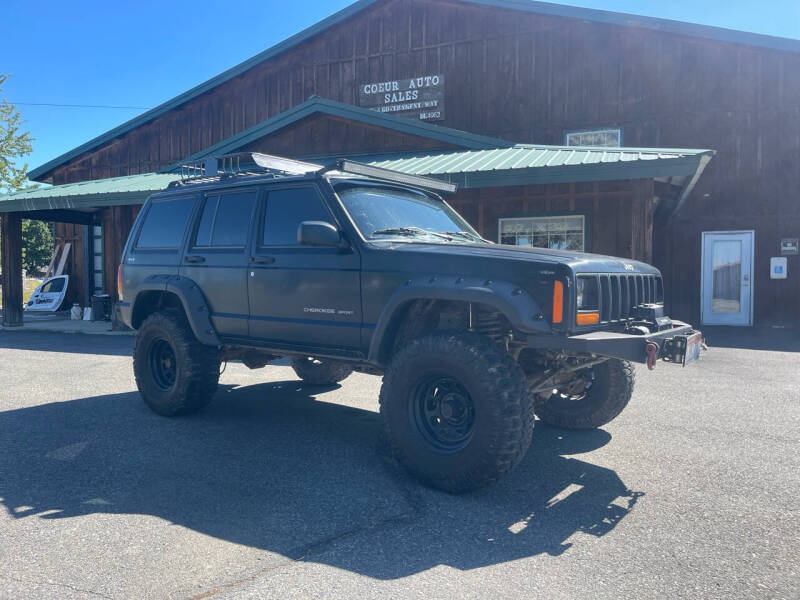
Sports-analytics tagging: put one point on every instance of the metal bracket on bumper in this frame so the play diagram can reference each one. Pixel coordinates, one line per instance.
(616, 345)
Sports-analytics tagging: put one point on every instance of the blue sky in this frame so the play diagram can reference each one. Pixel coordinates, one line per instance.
(142, 54)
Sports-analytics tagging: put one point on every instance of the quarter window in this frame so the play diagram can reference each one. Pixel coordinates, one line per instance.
(566, 232)
(596, 137)
(226, 220)
(165, 223)
(286, 209)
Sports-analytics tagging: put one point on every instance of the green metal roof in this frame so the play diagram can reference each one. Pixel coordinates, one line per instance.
(317, 105)
(526, 164)
(587, 14)
(131, 189)
(522, 164)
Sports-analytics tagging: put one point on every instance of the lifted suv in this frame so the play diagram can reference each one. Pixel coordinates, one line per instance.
(351, 267)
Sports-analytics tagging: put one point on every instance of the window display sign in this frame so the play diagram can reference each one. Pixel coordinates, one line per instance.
(419, 97)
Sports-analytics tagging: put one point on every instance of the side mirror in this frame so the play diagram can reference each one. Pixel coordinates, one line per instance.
(318, 233)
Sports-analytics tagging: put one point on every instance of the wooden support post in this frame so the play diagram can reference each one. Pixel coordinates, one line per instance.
(641, 219)
(11, 235)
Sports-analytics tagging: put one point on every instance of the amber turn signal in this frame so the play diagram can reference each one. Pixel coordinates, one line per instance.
(119, 282)
(587, 318)
(558, 302)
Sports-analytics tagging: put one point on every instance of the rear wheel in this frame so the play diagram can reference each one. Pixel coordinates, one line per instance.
(455, 410)
(175, 374)
(591, 398)
(317, 371)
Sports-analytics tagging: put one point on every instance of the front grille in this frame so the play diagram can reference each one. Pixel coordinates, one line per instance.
(621, 294)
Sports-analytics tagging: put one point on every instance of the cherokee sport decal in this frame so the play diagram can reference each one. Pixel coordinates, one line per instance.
(329, 311)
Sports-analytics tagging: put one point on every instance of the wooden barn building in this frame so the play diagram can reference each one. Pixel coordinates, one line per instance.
(669, 142)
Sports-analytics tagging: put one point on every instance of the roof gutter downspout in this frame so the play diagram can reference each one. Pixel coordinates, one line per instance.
(704, 160)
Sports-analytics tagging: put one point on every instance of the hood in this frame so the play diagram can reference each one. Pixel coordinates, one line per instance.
(578, 262)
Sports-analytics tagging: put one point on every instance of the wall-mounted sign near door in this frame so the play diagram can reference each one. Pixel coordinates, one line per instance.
(789, 246)
(418, 98)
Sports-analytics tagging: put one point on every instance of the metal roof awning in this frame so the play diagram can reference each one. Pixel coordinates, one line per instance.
(88, 195)
(528, 164)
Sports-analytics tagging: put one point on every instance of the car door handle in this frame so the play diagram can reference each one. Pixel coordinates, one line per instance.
(262, 260)
(194, 259)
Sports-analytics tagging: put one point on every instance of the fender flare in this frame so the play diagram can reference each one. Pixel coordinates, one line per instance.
(194, 303)
(518, 306)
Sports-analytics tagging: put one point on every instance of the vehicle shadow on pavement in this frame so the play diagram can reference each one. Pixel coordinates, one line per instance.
(271, 467)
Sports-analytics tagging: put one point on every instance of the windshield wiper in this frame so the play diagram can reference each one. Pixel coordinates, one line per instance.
(412, 231)
(464, 234)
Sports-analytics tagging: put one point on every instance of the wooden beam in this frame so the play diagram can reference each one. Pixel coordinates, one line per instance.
(11, 234)
(62, 216)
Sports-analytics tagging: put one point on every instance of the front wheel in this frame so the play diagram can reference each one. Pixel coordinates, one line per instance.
(589, 399)
(455, 410)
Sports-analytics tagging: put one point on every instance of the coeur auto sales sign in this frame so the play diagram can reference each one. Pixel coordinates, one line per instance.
(418, 97)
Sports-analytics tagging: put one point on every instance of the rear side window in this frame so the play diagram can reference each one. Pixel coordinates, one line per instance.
(286, 209)
(165, 223)
(226, 220)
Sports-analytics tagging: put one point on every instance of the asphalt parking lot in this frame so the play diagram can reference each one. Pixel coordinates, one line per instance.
(282, 490)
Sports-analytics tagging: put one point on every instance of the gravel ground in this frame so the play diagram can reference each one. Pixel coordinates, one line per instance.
(280, 490)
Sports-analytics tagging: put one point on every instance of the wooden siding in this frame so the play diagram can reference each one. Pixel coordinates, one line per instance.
(319, 135)
(679, 247)
(618, 212)
(510, 74)
(117, 224)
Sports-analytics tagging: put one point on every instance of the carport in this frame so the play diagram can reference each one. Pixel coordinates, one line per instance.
(79, 210)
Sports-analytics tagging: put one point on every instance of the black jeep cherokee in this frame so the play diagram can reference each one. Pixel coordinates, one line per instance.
(349, 267)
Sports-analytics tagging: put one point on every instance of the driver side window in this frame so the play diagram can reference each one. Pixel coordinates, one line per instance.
(286, 209)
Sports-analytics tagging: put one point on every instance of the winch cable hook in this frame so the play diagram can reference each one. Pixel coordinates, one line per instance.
(651, 350)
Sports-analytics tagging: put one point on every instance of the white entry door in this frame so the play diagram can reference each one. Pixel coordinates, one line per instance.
(727, 291)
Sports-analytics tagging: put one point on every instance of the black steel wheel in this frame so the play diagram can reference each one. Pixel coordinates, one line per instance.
(162, 363)
(443, 412)
(455, 410)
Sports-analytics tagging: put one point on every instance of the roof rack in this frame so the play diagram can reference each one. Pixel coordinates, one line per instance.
(243, 163)
(255, 163)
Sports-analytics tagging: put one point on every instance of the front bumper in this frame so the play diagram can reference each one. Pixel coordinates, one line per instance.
(635, 348)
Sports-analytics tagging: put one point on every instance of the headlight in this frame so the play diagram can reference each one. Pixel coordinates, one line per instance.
(586, 295)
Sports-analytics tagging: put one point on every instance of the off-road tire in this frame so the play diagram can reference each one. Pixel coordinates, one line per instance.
(320, 372)
(196, 371)
(503, 414)
(609, 394)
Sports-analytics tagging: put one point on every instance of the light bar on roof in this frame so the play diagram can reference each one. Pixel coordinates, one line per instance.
(357, 168)
(287, 165)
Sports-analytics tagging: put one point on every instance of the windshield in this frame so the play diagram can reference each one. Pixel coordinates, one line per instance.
(381, 212)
